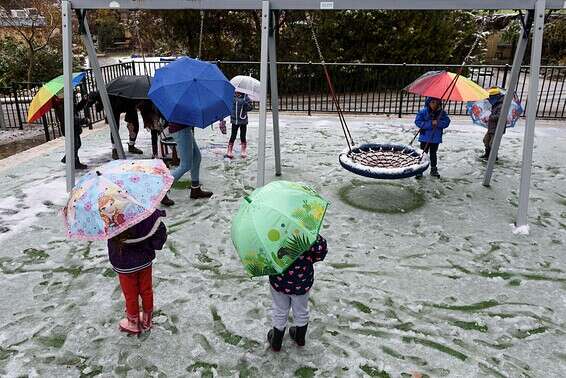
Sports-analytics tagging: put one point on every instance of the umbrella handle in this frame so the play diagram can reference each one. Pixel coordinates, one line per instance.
(248, 199)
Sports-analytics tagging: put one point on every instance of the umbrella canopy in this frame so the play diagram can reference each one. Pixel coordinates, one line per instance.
(247, 85)
(115, 197)
(41, 102)
(437, 83)
(191, 92)
(480, 111)
(132, 87)
(275, 225)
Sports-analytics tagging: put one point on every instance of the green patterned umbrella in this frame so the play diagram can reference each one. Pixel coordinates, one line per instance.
(275, 225)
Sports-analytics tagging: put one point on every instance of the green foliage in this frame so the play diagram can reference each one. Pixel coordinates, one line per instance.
(108, 30)
(346, 36)
(47, 63)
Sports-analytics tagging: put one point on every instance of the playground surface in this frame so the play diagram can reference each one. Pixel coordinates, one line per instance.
(422, 276)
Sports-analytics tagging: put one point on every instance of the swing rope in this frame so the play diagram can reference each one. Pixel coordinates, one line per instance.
(345, 129)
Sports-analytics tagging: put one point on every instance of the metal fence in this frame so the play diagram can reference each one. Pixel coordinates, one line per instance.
(378, 88)
(361, 88)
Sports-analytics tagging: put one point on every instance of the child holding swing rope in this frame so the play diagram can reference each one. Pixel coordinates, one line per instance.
(431, 120)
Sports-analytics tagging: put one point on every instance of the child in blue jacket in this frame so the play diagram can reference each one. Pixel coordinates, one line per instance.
(432, 120)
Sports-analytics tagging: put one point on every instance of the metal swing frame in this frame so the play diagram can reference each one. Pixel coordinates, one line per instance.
(268, 69)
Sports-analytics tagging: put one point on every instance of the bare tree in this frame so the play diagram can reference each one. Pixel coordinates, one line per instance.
(36, 29)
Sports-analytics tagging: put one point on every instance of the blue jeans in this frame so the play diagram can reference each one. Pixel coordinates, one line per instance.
(189, 155)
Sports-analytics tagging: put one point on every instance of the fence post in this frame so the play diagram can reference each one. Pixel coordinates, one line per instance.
(310, 87)
(2, 123)
(505, 70)
(45, 128)
(400, 114)
(134, 68)
(17, 102)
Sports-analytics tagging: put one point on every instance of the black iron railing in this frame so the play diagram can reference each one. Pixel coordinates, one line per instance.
(361, 87)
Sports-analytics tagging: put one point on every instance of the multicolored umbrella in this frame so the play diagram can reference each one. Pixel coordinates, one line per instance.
(41, 102)
(438, 84)
(247, 85)
(115, 197)
(192, 92)
(480, 111)
(275, 225)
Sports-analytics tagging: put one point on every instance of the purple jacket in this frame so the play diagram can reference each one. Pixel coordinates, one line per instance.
(138, 252)
(299, 277)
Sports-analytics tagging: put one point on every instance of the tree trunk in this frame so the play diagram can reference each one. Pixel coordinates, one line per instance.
(30, 67)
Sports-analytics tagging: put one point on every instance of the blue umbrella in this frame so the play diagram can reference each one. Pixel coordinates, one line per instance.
(191, 92)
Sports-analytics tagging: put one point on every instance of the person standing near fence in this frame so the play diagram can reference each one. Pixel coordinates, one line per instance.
(496, 98)
(59, 107)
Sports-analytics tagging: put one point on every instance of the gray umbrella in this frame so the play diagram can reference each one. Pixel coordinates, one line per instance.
(132, 87)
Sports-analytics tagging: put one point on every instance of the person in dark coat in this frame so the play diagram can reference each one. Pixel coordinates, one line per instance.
(432, 120)
(291, 290)
(496, 98)
(131, 254)
(78, 123)
(129, 107)
(239, 119)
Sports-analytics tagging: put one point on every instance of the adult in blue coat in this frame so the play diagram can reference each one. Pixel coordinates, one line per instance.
(432, 120)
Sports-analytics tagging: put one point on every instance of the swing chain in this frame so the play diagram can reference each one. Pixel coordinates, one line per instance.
(315, 38)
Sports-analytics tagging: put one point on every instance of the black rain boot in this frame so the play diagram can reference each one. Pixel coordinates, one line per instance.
(79, 165)
(298, 334)
(134, 150)
(166, 201)
(114, 154)
(197, 192)
(434, 172)
(486, 153)
(275, 338)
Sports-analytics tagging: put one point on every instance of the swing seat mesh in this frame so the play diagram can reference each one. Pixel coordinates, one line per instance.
(386, 161)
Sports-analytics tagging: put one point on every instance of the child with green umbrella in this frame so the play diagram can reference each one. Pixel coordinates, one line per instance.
(276, 233)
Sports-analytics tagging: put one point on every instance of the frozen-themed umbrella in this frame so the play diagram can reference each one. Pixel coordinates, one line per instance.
(480, 111)
(114, 197)
(247, 85)
(275, 225)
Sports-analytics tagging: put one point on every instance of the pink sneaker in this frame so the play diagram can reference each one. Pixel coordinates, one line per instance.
(131, 324)
(244, 150)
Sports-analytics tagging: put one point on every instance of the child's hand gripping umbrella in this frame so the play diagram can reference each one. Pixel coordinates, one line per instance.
(115, 197)
(275, 225)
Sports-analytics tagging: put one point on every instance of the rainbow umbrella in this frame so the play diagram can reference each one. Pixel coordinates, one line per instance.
(41, 102)
(438, 84)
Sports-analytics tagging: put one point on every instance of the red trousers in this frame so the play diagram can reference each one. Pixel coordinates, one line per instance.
(135, 285)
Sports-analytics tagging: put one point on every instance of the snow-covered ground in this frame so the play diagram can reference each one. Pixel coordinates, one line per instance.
(422, 276)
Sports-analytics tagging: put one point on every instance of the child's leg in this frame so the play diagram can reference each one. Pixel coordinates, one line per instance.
(280, 309)
(243, 130)
(300, 305)
(130, 288)
(234, 134)
(154, 140)
(146, 289)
